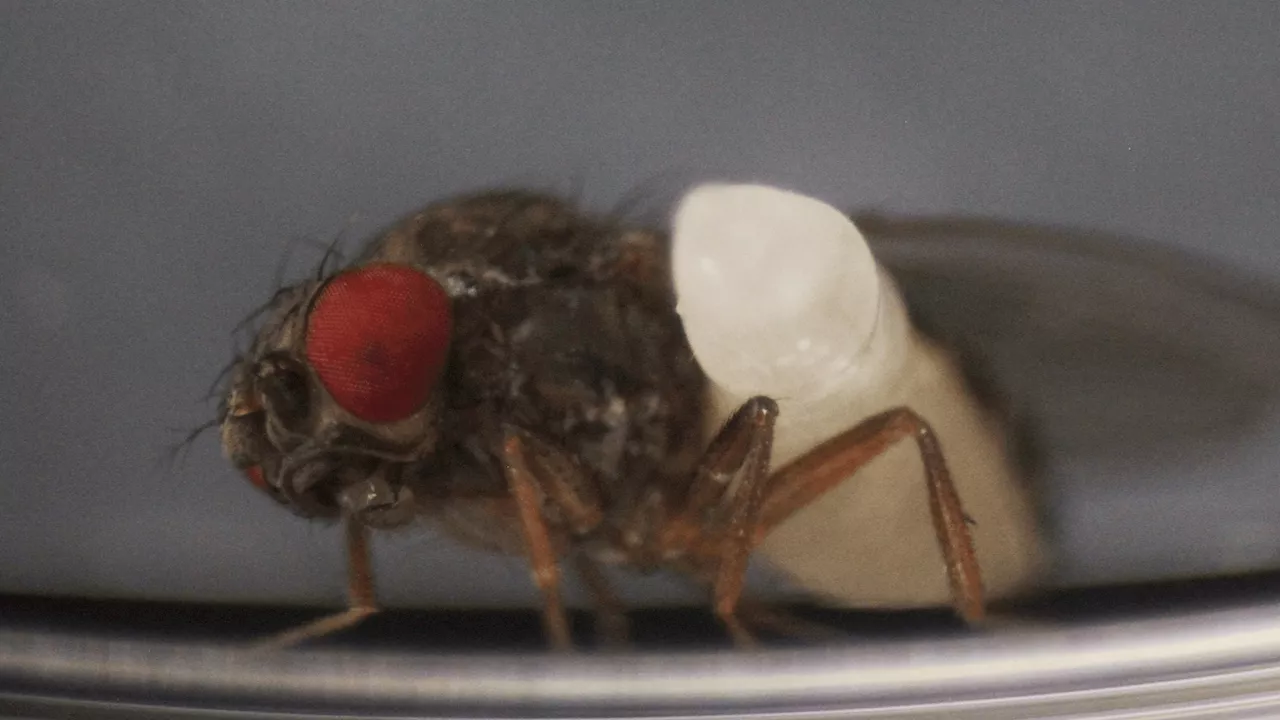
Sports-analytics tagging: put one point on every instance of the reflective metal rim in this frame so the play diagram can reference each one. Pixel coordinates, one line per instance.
(1218, 664)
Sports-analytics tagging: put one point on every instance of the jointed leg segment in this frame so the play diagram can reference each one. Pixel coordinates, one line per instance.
(722, 521)
(542, 553)
(806, 478)
(536, 471)
(611, 626)
(720, 514)
(361, 598)
(732, 505)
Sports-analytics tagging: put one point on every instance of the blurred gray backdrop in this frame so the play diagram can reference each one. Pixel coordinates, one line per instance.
(156, 159)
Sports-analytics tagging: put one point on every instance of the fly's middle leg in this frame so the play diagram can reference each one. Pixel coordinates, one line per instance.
(541, 476)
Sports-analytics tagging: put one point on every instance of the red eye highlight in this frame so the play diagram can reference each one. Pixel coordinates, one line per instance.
(254, 473)
(377, 337)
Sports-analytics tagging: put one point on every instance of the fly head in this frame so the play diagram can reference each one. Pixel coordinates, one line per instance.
(337, 400)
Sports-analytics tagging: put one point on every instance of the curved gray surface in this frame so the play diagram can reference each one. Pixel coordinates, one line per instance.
(1143, 380)
(1222, 664)
(156, 160)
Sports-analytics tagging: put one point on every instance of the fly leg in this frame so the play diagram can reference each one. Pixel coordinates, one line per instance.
(806, 478)
(611, 626)
(715, 528)
(721, 522)
(783, 622)
(543, 478)
(361, 598)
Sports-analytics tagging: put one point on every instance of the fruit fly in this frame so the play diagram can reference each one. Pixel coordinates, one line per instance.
(514, 369)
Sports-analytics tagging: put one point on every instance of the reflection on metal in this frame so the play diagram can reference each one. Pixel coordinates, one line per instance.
(1224, 663)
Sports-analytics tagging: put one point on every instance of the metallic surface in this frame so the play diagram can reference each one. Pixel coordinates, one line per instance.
(1222, 663)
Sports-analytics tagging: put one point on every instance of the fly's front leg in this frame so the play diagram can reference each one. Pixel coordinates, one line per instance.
(806, 478)
(716, 524)
(538, 472)
(361, 599)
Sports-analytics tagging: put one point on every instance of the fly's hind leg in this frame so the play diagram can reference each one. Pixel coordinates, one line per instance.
(733, 503)
(811, 475)
(540, 476)
(361, 599)
(714, 529)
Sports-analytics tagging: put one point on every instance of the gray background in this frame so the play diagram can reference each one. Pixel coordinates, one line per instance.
(157, 158)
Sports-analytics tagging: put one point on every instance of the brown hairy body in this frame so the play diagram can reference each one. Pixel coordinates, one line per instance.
(563, 422)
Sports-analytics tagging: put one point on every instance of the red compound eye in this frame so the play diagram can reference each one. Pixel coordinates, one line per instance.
(377, 337)
(256, 477)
